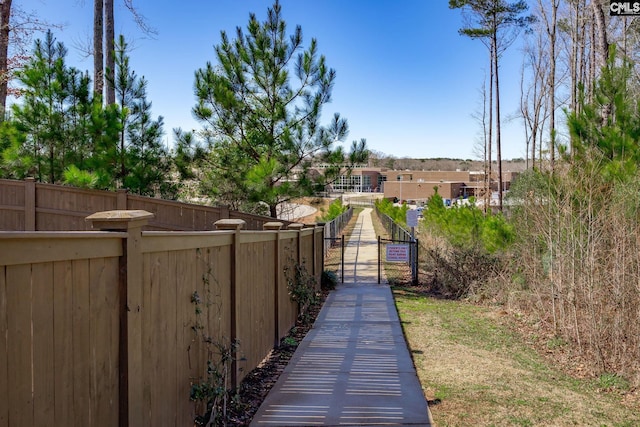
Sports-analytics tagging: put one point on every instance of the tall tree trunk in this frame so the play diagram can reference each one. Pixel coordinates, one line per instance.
(602, 46)
(574, 62)
(98, 53)
(582, 51)
(535, 97)
(602, 42)
(489, 168)
(498, 141)
(592, 64)
(5, 16)
(552, 31)
(534, 135)
(524, 111)
(110, 53)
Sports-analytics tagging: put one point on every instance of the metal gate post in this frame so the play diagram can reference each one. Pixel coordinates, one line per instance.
(342, 256)
(378, 259)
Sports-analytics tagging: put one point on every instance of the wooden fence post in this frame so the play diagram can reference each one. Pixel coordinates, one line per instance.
(30, 204)
(235, 225)
(130, 291)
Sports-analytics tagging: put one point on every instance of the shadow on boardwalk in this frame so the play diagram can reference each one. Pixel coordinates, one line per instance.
(353, 368)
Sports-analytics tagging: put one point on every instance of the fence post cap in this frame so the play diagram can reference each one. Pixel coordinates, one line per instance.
(229, 224)
(119, 219)
(274, 225)
(295, 226)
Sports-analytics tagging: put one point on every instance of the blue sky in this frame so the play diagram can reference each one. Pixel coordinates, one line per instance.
(406, 80)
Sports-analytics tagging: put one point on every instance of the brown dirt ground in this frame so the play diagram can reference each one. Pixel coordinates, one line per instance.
(257, 384)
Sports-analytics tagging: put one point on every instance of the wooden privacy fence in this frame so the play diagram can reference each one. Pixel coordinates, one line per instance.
(106, 328)
(34, 206)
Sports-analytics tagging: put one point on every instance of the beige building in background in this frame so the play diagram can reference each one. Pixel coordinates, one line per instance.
(417, 186)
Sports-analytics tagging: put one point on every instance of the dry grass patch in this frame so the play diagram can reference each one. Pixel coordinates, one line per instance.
(475, 370)
(479, 367)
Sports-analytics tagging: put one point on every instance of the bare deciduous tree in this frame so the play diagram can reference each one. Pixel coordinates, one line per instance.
(533, 98)
(549, 13)
(17, 27)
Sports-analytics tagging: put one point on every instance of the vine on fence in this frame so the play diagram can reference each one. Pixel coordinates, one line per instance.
(212, 390)
(302, 288)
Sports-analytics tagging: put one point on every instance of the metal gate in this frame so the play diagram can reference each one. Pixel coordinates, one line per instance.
(410, 257)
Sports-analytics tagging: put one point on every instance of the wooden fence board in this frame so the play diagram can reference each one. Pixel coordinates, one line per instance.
(19, 341)
(63, 341)
(219, 279)
(81, 343)
(43, 355)
(158, 330)
(4, 349)
(204, 219)
(306, 245)
(186, 279)
(197, 351)
(64, 208)
(12, 192)
(156, 241)
(104, 341)
(169, 309)
(12, 205)
(147, 343)
(253, 293)
(34, 248)
(288, 256)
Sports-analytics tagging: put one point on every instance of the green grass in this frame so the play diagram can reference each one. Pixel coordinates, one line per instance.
(481, 371)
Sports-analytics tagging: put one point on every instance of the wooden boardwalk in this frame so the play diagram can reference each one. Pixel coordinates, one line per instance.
(353, 368)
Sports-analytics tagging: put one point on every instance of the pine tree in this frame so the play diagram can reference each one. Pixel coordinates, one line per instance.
(60, 131)
(143, 164)
(262, 103)
(43, 113)
(147, 157)
(129, 90)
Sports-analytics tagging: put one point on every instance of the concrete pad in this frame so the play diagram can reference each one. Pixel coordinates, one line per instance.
(353, 368)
